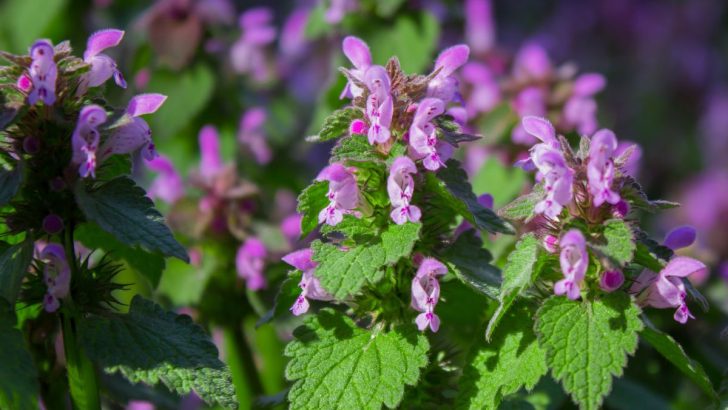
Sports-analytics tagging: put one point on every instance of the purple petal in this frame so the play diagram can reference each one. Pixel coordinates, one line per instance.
(145, 104)
(432, 267)
(357, 51)
(256, 16)
(540, 128)
(101, 40)
(451, 59)
(479, 25)
(611, 280)
(253, 119)
(683, 266)
(486, 200)
(680, 237)
(211, 161)
(301, 259)
(589, 84)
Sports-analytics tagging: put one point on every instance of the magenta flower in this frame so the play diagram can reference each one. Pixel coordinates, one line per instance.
(666, 289)
(600, 169)
(56, 275)
(247, 55)
(43, 73)
(445, 86)
(250, 261)
(422, 134)
(632, 165)
(252, 135)
(551, 243)
(574, 261)
(532, 63)
(168, 186)
(210, 157)
(557, 179)
(531, 101)
(343, 193)
(358, 126)
(611, 280)
(52, 224)
(310, 285)
(542, 130)
(136, 134)
(479, 25)
(291, 227)
(338, 9)
(379, 105)
(580, 110)
(485, 92)
(103, 67)
(24, 83)
(426, 293)
(680, 237)
(357, 51)
(400, 187)
(85, 139)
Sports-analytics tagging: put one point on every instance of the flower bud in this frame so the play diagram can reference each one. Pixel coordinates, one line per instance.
(31, 145)
(52, 224)
(611, 280)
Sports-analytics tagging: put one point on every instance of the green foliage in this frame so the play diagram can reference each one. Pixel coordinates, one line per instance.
(24, 21)
(352, 227)
(672, 351)
(498, 123)
(633, 193)
(344, 272)
(513, 359)
(620, 242)
(336, 124)
(18, 378)
(503, 181)
(122, 209)
(151, 345)
(14, 263)
(311, 202)
(9, 183)
(451, 183)
(354, 148)
(522, 208)
(520, 272)
(587, 343)
(337, 365)
(413, 42)
(471, 264)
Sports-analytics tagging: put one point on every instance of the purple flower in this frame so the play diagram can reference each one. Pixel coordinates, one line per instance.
(251, 134)
(532, 63)
(358, 126)
(479, 25)
(210, 157)
(52, 224)
(168, 186)
(379, 104)
(580, 110)
(103, 67)
(574, 261)
(426, 293)
(422, 134)
(632, 165)
(400, 187)
(444, 86)
(485, 92)
(291, 227)
(611, 280)
(250, 261)
(24, 83)
(557, 179)
(338, 9)
(43, 73)
(357, 51)
(531, 101)
(310, 285)
(600, 169)
(85, 139)
(551, 243)
(343, 193)
(56, 275)
(247, 55)
(136, 134)
(666, 289)
(680, 237)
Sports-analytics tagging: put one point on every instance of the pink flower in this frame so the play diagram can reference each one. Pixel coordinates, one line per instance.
(557, 179)
(357, 51)
(210, 157)
(400, 187)
(252, 135)
(24, 83)
(666, 289)
(247, 55)
(43, 73)
(445, 86)
(680, 237)
(532, 63)
(551, 243)
(485, 93)
(85, 139)
(580, 110)
(338, 9)
(136, 134)
(600, 169)
(531, 101)
(291, 227)
(103, 67)
(426, 293)
(310, 285)
(250, 261)
(343, 193)
(56, 274)
(611, 280)
(379, 104)
(168, 186)
(574, 261)
(358, 126)
(479, 25)
(423, 136)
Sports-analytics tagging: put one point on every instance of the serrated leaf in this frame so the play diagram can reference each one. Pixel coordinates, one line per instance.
(451, 183)
(519, 273)
(336, 124)
(352, 227)
(587, 343)
(512, 360)
(522, 208)
(471, 263)
(9, 183)
(632, 192)
(14, 262)
(121, 208)
(344, 272)
(620, 242)
(337, 365)
(150, 345)
(672, 351)
(19, 387)
(312, 200)
(354, 148)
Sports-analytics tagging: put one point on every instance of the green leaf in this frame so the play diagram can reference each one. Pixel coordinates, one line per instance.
(672, 351)
(503, 181)
(471, 264)
(9, 183)
(151, 345)
(336, 124)
(387, 8)
(522, 208)
(312, 200)
(122, 209)
(633, 193)
(412, 41)
(520, 272)
(14, 262)
(352, 227)
(337, 365)
(24, 21)
(587, 343)
(354, 148)
(498, 123)
(512, 360)
(620, 242)
(151, 265)
(343, 273)
(19, 386)
(452, 184)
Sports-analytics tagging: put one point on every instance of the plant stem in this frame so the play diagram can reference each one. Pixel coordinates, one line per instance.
(240, 359)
